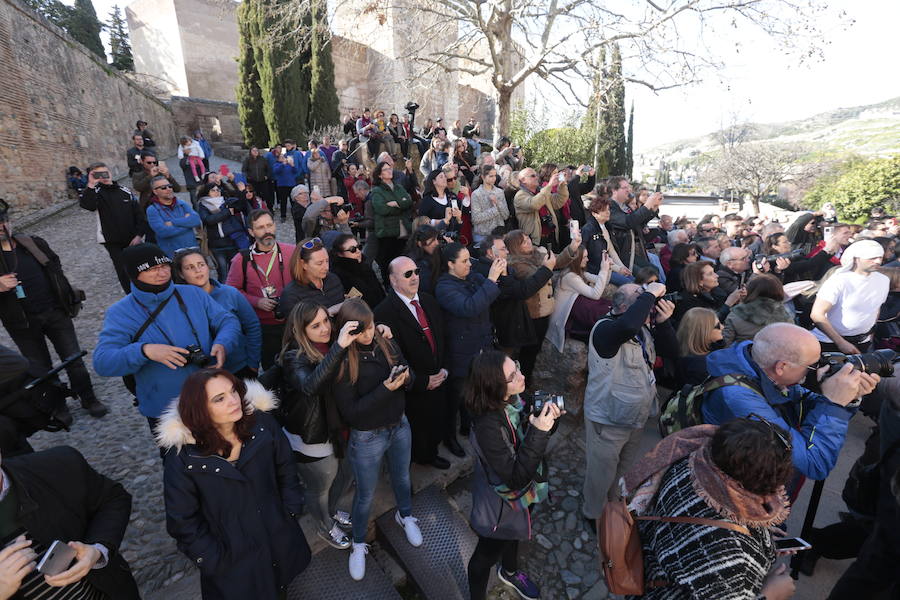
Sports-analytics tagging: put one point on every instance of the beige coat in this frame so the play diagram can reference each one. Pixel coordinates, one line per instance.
(528, 204)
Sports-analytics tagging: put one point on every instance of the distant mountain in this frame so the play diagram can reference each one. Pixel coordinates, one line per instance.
(871, 130)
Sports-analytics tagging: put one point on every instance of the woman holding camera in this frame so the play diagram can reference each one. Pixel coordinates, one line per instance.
(369, 394)
(441, 204)
(510, 473)
(191, 268)
(312, 279)
(310, 359)
(798, 268)
(224, 221)
(231, 489)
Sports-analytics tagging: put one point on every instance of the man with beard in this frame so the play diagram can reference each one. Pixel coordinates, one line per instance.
(120, 220)
(152, 167)
(133, 154)
(261, 273)
(33, 308)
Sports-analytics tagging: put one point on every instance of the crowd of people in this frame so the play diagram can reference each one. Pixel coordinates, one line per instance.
(409, 313)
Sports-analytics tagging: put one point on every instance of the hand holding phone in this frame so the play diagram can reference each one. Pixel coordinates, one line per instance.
(56, 559)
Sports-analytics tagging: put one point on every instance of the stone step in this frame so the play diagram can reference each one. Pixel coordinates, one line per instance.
(327, 578)
(438, 567)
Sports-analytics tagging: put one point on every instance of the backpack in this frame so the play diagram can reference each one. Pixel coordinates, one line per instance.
(682, 408)
(621, 552)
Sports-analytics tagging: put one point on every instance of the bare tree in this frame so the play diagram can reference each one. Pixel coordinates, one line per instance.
(757, 170)
(507, 41)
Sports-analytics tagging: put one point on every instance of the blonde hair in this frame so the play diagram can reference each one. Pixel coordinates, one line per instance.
(693, 331)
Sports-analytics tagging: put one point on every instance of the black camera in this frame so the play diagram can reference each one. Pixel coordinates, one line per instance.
(411, 106)
(671, 297)
(547, 221)
(879, 362)
(539, 399)
(792, 255)
(451, 235)
(346, 207)
(197, 357)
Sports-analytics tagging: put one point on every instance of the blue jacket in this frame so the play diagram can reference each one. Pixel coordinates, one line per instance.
(249, 342)
(285, 174)
(301, 162)
(466, 305)
(117, 354)
(180, 234)
(236, 523)
(817, 425)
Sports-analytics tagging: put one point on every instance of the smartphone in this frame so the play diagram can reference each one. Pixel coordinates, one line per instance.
(316, 189)
(398, 371)
(561, 177)
(791, 544)
(56, 559)
(573, 228)
(827, 232)
(358, 329)
(284, 150)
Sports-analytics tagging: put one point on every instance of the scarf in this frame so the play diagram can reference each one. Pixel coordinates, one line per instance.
(534, 492)
(722, 493)
(214, 205)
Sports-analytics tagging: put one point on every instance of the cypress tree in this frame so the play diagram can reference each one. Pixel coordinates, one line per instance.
(249, 95)
(629, 156)
(616, 121)
(119, 45)
(323, 98)
(281, 64)
(83, 25)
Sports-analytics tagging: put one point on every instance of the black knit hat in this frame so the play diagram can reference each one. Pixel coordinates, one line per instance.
(143, 257)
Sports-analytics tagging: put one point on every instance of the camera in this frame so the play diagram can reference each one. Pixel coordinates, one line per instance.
(452, 235)
(547, 221)
(346, 207)
(539, 399)
(792, 255)
(879, 362)
(411, 106)
(197, 357)
(671, 297)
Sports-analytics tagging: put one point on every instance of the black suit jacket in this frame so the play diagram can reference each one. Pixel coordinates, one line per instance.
(408, 334)
(62, 498)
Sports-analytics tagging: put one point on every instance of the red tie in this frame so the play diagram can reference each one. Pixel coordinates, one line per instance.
(423, 322)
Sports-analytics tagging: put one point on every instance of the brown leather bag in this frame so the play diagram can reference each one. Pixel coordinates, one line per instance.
(621, 553)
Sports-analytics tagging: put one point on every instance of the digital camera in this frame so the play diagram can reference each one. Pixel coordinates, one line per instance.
(879, 362)
(539, 399)
(197, 357)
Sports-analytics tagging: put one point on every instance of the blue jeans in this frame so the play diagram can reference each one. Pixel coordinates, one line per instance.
(619, 279)
(365, 451)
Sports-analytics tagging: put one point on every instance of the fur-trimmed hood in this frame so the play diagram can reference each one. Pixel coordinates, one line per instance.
(171, 432)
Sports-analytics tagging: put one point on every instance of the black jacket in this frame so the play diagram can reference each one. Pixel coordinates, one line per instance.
(367, 404)
(359, 275)
(610, 334)
(307, 407)
(12, 314)
(594, 242)
(622, 225)
(256, 170)
(133, 158)
(62, 498)
(410, 337)
(332, 293)
(576, 203)
(121, 217)
(708, 300)
(513, 326)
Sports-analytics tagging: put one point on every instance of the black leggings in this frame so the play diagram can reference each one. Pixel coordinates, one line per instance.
(487, 553)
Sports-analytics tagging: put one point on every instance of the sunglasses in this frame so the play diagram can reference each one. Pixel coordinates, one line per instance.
(351, 249)
(451, 179)
(410, 273)
(786, 442)
(101, 174)
(310, 244)
(151, 162)
(163, 187)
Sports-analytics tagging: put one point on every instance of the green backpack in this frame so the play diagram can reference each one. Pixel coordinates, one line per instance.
(682, 408)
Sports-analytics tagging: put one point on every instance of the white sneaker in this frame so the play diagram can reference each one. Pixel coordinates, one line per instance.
(409, 524)
(358, 561)
(343, 519)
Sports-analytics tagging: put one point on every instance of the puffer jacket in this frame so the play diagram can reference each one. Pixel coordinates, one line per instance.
(523, 267)
(745, 320)
(466, 305)
(307, 407)
(320, 175)
(236, 522)
(817, 425)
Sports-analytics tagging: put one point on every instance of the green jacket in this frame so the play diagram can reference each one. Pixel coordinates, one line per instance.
(387, 218)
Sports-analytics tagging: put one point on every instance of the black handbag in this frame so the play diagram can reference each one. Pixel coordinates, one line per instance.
(70, 298)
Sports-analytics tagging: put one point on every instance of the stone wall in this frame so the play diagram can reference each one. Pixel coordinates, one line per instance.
(218, 120)
(60, 106)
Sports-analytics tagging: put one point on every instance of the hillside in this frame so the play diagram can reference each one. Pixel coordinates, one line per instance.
(871, 130)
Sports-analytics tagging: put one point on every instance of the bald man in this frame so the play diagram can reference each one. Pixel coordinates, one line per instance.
(778, 359)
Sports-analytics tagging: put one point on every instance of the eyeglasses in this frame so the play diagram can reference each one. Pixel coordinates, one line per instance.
(776, 431)
(410, 273)
(163, 187)
(518, 370)
(310, 244)
(351, 249)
